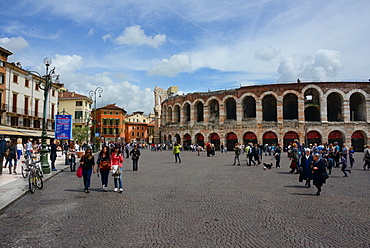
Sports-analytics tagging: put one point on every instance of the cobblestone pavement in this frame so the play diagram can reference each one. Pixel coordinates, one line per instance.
(202, 202)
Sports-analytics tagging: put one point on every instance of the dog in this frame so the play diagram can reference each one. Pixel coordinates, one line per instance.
(267, 166)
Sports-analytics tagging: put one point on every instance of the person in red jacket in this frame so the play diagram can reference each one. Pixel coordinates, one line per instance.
(116, 160)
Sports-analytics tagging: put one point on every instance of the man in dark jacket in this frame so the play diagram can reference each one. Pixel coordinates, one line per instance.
(53, 155)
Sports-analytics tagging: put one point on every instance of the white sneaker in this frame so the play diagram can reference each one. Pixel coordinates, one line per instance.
(116, 189)
(120, 190)
(105, 189)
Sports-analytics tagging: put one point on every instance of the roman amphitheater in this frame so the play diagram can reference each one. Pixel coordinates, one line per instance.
(313, 112)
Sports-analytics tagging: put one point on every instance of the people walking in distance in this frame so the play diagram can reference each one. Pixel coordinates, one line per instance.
(53, 155)
(237, 153)
(116, 159)
(28, 148)
(222, 148)
(329, 162)
(87, 162)
(251, 155)
(65, 148)
(19, 150)
(305, 171)
(345, 151)
(213, 150)
(366, 158)
(351, 155)
(277, 155)
(35, 147)
(176, 151)
(127, 150)
(343, 162)
(135, 155)
(72, 156)
(104, 167)
(336, 154)
(294, 157)
(246, 151)
(319, 173)
(256, 154)
(11, 156)
(2, 152)
(208, 149)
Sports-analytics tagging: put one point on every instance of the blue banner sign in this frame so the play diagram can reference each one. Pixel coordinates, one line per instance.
(63, 126)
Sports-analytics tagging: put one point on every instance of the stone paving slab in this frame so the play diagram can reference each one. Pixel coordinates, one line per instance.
(202, 202)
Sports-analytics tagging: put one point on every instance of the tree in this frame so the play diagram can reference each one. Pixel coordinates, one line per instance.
(80, 134)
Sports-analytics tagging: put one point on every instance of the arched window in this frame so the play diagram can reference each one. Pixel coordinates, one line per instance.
(187, 112)
(269, 108)
(334, 107)
(200, 116)
(290, 107)
(214, 111)
(249, 107)
(177, 113)
(357, 107)
(231, 109)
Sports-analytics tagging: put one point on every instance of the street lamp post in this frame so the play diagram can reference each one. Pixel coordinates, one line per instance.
(45, 84)
(94, 93)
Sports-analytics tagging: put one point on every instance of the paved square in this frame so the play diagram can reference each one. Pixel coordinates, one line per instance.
(202, 202)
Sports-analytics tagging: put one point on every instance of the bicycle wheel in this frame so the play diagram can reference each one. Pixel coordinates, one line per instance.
(31, 183)
(39, 182)
(25, 171)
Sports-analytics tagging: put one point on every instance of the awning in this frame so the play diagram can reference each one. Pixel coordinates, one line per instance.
(11, 131)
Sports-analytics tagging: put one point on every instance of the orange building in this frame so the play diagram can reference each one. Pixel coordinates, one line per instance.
(108, 123)
(139, 128)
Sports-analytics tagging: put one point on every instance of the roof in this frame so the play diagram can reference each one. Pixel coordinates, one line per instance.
(73, 96)
(5, 52)
(112, 106)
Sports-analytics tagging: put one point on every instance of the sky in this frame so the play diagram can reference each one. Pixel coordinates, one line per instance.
(128, 47)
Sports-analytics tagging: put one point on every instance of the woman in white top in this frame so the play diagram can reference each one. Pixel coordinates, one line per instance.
(19, 150)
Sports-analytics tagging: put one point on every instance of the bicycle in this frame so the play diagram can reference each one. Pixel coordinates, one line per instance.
(35, 177)
(26, 166)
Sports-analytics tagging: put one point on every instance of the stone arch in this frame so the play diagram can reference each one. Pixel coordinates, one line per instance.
(187, 140)
(169, 114)
(289, 138)
(249, 137)
(230, 106)
(214, 139)
(177, 138)
(177, 113)
(270, 138)
(249, 106)
(199, 139)
(357, 105)
(313, 136)
(290, 106)
(199, 110)
(358, 140)
(214, 110)
(336, 136)
(186, 111)
(312, 103)
(231, 140)
(334, 101)
(269, 108)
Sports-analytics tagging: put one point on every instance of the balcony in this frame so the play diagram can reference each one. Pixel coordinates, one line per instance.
(26, 112)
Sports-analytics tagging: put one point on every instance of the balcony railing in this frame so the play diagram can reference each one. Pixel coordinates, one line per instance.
(28, 112)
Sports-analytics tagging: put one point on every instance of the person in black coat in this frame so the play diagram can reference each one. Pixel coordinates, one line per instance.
(319, 173)
(53, 155)
(135, 154)
(305, 170)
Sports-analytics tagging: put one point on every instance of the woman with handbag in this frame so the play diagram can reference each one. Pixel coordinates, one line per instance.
(104, 167)
(87, 163)
(116, 160)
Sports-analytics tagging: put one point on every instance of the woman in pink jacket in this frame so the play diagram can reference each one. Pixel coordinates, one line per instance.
(117, 159)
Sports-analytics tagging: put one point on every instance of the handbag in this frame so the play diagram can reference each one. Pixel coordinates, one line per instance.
(293, 165)
(115, 170)
(104, 165)
(79, 172)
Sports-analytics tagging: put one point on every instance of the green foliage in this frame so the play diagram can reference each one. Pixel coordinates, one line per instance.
(80, 134)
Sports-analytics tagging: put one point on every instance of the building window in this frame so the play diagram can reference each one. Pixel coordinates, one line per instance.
(142, 134)
(15, 78)
(37, 86)
(142, 128)
(78, 103)
(104, 130)
(105, 121)
(105, 112)
(116, 113)
(78, 114)
(26, 105)
(36, 107)
(117, 122)
(53, 92)
(111, 112)
(14, 121)
(138, 134)
(14, 103)
(111, 122)
(27, 83)
(52, 111)
(133, 134)
(2, 79)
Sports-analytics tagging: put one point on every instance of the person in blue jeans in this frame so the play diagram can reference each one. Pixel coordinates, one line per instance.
(87, 162)
(104, 167)
(135, 155)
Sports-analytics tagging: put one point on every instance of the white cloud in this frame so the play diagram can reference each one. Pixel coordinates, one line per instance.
(266, 53)
(107, 36)
(14, 44)
(91, 31)
(325, 65)
(171, 67)
(134, 35)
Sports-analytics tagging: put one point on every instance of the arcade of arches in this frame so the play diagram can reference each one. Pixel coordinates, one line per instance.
(277, 113)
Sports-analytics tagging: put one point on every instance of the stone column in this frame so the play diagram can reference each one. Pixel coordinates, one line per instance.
(346, 115)
(259, 113)
(222, 113)
(279, 110)
(192, 115)
(301, 110)
(239, 113)
(206, 114)
(324, 110)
